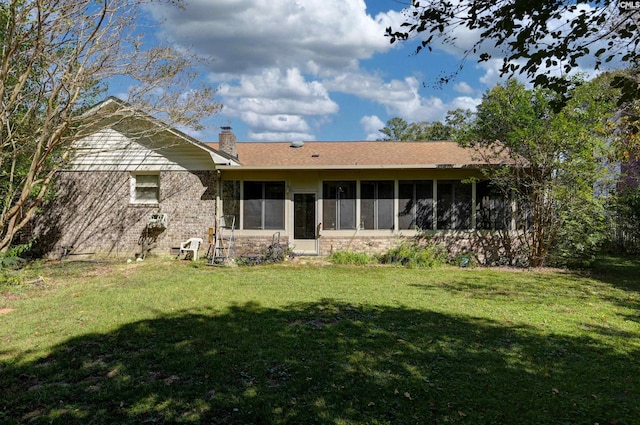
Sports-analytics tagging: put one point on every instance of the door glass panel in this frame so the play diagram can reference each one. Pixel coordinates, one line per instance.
(304, 219)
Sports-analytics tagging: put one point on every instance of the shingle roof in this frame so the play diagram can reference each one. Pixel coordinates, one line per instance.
(441, 154)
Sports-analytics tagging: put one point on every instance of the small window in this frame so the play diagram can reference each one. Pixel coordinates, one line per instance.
(145, 188)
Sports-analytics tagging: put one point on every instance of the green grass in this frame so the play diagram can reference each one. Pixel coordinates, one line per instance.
(170, 342)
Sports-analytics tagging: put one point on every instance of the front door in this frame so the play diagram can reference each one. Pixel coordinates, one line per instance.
(304, 224)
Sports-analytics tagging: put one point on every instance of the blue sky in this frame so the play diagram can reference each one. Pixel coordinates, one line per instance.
(318, 69)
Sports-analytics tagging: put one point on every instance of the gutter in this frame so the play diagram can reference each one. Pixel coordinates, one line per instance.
(352, 167)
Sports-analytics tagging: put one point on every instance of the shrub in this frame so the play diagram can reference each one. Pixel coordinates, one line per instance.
(465, 259)
(10, 263)
(355, 258)
(274, 253)
(414, 254)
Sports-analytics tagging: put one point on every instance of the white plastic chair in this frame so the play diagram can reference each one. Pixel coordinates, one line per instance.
(191, 245)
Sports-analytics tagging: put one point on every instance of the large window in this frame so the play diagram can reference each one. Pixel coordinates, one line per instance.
(263, 205)
(376, 205)
(145, 188)
(493, 208)
(416, 205)
(454, 205)
(339, 205)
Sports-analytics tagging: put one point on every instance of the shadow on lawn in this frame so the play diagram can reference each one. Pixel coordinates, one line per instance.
(325, 362)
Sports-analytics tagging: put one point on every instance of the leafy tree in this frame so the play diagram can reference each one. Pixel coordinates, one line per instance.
(539, 39)
(551, 163)
(400, 130)
(56, 59)
(397, 129)
(432, 131)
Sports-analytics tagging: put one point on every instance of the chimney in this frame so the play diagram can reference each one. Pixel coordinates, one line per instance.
(228, 142)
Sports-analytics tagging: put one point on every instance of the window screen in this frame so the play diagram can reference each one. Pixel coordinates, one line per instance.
(454, 205)
(263, 205)
(416, 204)
(376, 205)
(339, 205)
(493, 209)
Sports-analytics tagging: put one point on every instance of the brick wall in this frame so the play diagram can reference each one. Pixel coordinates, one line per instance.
(256, 245)
(93, 214)
(368, 244)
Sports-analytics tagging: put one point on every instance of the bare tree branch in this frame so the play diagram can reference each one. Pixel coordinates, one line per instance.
(57, 57)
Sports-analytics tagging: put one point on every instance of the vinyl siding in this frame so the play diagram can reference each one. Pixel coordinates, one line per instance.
(111, 150)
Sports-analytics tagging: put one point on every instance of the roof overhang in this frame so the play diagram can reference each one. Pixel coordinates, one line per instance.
(356, 167)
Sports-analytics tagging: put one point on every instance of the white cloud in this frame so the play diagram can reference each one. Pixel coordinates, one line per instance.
(279, 63)
(372, 126)
(248, 35)
(283, 65)
(400, 98)
(270, 136)
(463, 88)
(277, 102)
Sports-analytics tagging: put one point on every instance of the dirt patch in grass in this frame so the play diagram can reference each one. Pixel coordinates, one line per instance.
(6, 310)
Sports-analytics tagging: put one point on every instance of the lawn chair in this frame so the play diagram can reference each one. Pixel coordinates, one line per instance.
(191, 245)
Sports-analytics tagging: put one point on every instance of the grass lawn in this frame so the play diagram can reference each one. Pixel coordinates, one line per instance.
(172, 342)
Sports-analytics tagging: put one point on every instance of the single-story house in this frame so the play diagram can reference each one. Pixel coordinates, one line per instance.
(317, 197)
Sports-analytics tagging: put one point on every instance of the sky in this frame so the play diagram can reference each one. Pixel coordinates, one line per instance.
(305, 70)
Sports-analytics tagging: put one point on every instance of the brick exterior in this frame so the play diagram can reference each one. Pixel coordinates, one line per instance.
(255, 245)
(93, 214)
(368, 244)
(490, 248)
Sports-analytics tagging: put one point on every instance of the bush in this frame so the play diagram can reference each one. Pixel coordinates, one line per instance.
(465, 259)
(10, 264)
(354, 258)
(274, 253)
(413, 254)
(9, 278)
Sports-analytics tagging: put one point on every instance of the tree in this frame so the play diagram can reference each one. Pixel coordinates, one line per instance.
(400, 130)
(397, 129)
(552, 161)
(540, 39)
(56, 59)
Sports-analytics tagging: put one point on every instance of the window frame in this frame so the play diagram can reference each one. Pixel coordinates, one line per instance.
(493, 210)
(415, 203)
(378, 205)
(459, 215)
(231, 198)
(335, 208)
(137, 185)
(264, 203)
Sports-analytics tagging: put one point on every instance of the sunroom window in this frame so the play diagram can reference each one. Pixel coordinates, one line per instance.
(339, 205)
(454, 205)
(231, 198)
(416, 205)
(376, 205)
(493, 208)
(263, 205)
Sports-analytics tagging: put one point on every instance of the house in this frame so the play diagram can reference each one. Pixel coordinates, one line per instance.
(130, 168)
(363, 196)
(317, 197)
